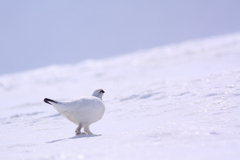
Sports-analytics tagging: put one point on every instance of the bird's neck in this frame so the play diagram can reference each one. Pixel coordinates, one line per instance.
(100, 97)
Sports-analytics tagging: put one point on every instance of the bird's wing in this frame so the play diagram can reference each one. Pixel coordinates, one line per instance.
(76, 105)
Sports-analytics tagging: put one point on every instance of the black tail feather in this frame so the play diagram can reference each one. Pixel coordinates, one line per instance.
(47, 100)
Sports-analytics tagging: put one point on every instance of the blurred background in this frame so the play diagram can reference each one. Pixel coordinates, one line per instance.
(39, 33)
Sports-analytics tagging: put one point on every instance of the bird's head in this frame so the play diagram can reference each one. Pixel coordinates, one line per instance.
(98, 93)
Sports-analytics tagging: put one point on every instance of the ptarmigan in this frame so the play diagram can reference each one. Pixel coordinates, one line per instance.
(82, 111)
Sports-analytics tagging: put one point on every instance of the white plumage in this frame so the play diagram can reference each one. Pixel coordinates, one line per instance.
(82, 111)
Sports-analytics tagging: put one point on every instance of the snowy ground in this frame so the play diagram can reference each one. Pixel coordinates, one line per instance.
(180, 101)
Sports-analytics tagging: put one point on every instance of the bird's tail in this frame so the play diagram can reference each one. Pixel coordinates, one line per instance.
(47, 100)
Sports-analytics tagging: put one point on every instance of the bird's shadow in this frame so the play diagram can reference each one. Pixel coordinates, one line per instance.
(74, 137)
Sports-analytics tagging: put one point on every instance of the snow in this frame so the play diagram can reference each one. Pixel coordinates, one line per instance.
(180, 101)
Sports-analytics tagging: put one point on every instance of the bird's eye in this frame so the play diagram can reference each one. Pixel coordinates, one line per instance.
(102, 91)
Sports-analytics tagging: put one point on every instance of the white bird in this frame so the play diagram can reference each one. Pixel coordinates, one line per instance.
(82, 111)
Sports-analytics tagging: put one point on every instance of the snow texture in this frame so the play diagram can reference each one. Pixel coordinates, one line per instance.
(180, 101)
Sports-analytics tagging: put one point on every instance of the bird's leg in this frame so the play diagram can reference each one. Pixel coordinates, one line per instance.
(87, 130)
(78, 130)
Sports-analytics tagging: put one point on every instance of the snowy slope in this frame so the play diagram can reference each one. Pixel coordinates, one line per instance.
(180, 101)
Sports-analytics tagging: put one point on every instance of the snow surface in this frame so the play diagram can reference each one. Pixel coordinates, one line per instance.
(180, 101)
